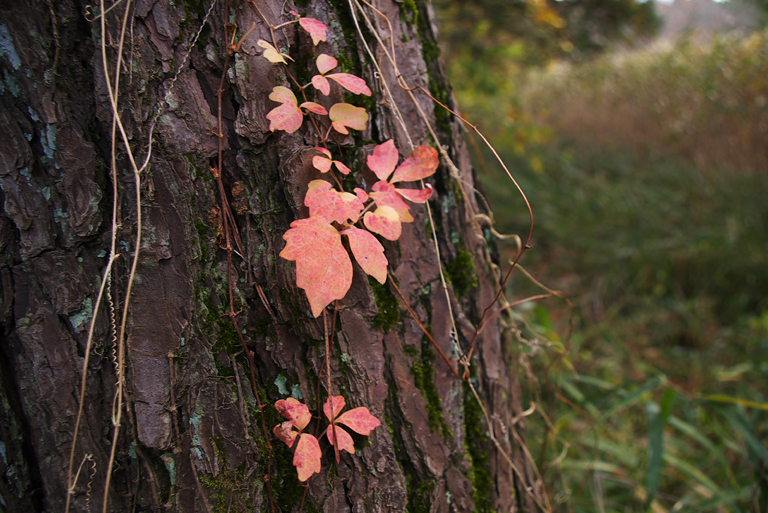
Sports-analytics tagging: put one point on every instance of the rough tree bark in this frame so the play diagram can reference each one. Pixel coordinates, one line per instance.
(191, 437)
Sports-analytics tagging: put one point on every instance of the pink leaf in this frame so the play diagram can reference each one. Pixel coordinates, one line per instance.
(285, 432)
(421, 164)
(346, 115)
(294, 411)
(385, 221)
(306, 459)
(345, 441)
(361, 194)
(326, 63)
(323, 267)
(326, 202)
(324, 151)
(282, 94)
(384, 194)
(416, 195)
(322, 164)
(316, 29)
(368, 252)
(359, 420)
(338, 405)
(321, 84)
(342, 168)
(384, 159)
(355, 85)
(314, 107)
(286, 117)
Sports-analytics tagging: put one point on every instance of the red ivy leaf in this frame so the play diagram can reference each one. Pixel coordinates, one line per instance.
(359, 420)
(314, 107)
(420, 164)
(325, 201)
(296, 412)
(385, 195)
(385, 221)
(287, 116)
(285, 432)
(351, 83)
(361, 194)
(383, 160)
(306, 459)
(338, 404)
(342, 168)
(316, 29)
(323, 267)
(345, 441)
(345, 115)
(322, 164)
(416, 195)
(321, 84)
(325, 63)
(368, 252)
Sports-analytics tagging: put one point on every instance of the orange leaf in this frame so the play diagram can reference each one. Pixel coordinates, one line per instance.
(325, 63)
(384, 159)
(321, 84)
(306, 459)
(316, 29)
(297, 413)
(353, 84)
(285, 432)
(385, 221)
(416, 195)
(385, 195)
(359, 420)
(368, 252)
(345, 441)
(323, 267)
(345, 115)
(326, 202)
(421, 164)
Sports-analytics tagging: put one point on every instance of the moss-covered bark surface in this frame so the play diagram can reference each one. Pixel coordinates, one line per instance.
(191, 434)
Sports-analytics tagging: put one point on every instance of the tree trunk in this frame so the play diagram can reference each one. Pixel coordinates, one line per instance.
(191, 430)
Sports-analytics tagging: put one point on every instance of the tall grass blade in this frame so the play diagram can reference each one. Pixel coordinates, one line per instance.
(657, 420)
(635, 395)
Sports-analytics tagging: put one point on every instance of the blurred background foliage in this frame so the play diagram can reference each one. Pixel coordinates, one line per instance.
(639, 132)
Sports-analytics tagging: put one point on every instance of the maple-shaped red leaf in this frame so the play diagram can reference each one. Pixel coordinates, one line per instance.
(323, 267)
(420, 164)
(351, 83)
(285, 432)
(287, 116)
(385, 195)
(359, 420)
(316, 29)
(345, 440)
(306, 459)
(385, 221)
(384, 159)
(297, 413)
(345, 115)
(368, 252)
(325, 63)
(321, 84)
(416, 195)
(325, 201)
(314, 107)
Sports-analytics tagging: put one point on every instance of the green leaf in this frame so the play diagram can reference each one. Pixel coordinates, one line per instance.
(657, 420)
